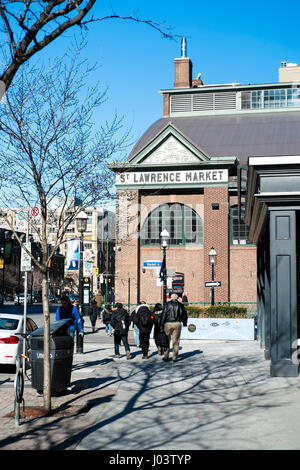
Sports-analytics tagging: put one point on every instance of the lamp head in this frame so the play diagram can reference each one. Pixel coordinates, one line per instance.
(212, 255)
(164, 238)
(81, 221)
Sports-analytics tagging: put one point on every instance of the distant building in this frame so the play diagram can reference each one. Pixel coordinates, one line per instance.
(98, 241)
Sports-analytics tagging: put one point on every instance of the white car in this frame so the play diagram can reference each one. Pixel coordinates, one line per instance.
(21, 298)
(10, 343)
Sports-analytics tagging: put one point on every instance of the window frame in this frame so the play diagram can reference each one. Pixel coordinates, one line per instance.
(241, 224)
(160, 213)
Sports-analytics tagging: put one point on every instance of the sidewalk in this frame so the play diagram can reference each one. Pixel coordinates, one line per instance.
(219, 395)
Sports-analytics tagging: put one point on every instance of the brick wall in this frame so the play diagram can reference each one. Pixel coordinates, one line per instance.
(183, 73)
(127, 240)
(243, 274)
(188, 260)
(216, 234)
(235, 266)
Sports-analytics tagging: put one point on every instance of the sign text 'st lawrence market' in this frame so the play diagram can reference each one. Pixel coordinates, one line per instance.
(172, 177)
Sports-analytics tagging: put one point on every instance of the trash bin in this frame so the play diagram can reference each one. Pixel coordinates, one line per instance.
(61, 357)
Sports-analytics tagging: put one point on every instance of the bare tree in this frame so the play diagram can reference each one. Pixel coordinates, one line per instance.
(30, 25)
(50, 150)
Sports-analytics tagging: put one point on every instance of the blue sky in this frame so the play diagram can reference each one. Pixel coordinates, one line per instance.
(227, 42)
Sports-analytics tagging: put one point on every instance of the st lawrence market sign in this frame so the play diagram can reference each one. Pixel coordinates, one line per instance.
(172, 177)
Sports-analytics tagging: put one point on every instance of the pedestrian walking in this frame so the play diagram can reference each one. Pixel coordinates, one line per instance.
(111, 297)
(157, 312)
(93, 314)
(173, 315)
(133, 319)
(145, 321)
(120, 322)
(106, 318)
(79, 338)
(69, 311)
(99, 299)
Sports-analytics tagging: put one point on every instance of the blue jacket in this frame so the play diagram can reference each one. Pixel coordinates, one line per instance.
(72, 313)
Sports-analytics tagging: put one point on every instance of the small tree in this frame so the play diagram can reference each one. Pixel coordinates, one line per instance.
(50, 150)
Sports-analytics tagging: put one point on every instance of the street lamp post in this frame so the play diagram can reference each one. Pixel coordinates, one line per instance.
(81, 225)
(164, 245)
(212, 255)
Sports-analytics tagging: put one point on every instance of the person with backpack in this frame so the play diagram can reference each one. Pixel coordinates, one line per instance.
(144, 321)
(120, 322)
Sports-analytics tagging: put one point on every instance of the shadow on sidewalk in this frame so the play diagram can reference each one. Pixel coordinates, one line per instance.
(187, 384)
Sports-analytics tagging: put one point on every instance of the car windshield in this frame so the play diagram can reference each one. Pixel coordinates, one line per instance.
(8, 323)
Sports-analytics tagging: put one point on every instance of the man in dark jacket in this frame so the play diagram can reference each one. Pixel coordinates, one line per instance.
(173, 315)
(120, 322)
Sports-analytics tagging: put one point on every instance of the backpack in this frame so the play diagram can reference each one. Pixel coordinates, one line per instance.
(120, 322)
(122, 328)
(145, 319)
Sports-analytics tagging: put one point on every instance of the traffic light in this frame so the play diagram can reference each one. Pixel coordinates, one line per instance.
(96, 271)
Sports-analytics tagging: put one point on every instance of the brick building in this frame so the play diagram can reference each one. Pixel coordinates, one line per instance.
(184, 175)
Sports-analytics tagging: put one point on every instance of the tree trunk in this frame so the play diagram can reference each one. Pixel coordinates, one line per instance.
(47, 364)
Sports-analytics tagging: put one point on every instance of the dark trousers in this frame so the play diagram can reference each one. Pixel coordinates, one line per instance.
(117, 340)
(144, 342)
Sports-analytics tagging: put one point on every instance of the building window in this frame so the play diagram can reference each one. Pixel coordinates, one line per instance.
(182, 222)
(238, 229)
(273, 98)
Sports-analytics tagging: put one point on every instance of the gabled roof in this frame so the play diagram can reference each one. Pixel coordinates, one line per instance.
(243, 135)
(169, 146)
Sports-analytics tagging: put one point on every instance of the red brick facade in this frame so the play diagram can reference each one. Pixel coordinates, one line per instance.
(235, 266)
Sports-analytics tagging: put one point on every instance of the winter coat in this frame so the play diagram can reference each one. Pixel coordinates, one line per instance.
(98, 299)
(106, 316)
(72, 314)
(157, 319)
(174, 311)
(118, 316)
(134, 314)
(93, 312)
(144, 309)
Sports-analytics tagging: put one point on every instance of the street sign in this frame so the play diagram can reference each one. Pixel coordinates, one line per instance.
(86, 287)
(35, 211)
(21, 222)
(150, 264)
(25, 257)
(87, 255)
(87, 268)
(213, 284)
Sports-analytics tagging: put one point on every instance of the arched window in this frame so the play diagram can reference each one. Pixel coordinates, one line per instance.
(182, 222)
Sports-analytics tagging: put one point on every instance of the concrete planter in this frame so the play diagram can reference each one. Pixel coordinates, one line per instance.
(239, 329)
